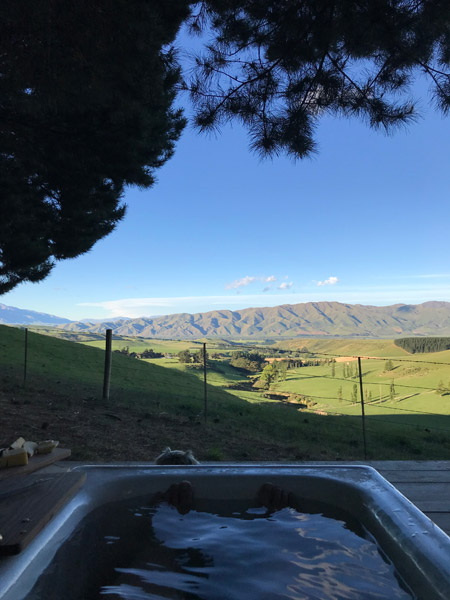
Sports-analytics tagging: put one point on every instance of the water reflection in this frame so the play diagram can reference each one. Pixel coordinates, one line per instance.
(253, 554)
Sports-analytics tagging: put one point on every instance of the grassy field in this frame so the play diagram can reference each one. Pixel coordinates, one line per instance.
(347, 347)
(119, 342)
(417, 411)
(415, 389)
(159, 402)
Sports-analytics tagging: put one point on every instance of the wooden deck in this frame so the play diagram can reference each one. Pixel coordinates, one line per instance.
(425, 483)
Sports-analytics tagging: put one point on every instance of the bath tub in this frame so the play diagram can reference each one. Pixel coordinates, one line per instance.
(419, 550)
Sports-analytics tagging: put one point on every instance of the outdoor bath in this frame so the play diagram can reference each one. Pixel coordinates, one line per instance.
(98, 545)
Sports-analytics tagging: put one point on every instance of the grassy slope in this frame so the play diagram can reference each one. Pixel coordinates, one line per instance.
(347, 347)
(64, 383)
(416, 377)
(413, 391)
(134, 344)
(167, 397)
(403, 421)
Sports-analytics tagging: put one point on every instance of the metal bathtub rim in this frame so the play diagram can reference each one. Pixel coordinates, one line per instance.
(419, 549)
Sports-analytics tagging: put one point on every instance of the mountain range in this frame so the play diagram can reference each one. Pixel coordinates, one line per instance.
(310, 319)
(313, 319)
(10, 315)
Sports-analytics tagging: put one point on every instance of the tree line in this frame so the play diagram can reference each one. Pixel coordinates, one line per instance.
(147, 353)
(419, 345)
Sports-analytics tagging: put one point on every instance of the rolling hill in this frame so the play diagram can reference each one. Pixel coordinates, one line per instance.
(311, 319)
(158, 402)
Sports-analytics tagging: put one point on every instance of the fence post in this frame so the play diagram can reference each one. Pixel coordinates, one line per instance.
(25, 359)
(362, 407)
(204, 381)
(107, 374)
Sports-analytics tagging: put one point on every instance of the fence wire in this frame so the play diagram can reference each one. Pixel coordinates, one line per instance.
(126, 372)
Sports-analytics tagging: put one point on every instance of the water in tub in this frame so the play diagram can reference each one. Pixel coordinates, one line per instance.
(222, 552)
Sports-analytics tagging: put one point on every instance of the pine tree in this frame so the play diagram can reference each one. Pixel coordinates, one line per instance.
(87, 90)
(339, 394)
(277, 67)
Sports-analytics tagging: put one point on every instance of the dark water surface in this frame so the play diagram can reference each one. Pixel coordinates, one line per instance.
(237, 553)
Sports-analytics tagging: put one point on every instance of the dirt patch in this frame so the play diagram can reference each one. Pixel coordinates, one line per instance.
(101, 432)
(351, 358)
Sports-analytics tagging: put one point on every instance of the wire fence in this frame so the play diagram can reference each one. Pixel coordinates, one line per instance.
(404, 393)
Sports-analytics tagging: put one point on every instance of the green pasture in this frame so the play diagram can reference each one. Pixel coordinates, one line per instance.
(140, 344)
(397, 428)
(74, 373)
(346, 347)
(220, 375)
(416, 401)
(137, 345)
(415, 386)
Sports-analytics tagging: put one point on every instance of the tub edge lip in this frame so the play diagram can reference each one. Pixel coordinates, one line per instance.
(372, 482)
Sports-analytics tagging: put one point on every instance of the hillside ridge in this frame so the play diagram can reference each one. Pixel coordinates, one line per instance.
(318, 319)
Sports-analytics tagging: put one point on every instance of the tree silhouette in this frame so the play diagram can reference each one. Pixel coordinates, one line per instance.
(277, 67)
(86, 92)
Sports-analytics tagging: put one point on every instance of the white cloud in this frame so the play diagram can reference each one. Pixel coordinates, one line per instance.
(135, 307)
(237, 283)
(267, 288)
(285, 285)
(329, 281)
(244, 281)
(375, 295)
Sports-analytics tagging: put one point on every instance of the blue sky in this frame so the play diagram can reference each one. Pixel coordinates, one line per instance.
(364, 221)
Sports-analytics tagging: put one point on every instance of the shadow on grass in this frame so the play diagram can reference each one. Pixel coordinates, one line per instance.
(72, 376)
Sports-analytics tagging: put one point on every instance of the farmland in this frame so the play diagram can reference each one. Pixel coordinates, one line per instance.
(310, 413)
(414, 391)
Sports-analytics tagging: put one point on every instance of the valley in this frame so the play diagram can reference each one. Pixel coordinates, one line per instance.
(306, 412)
